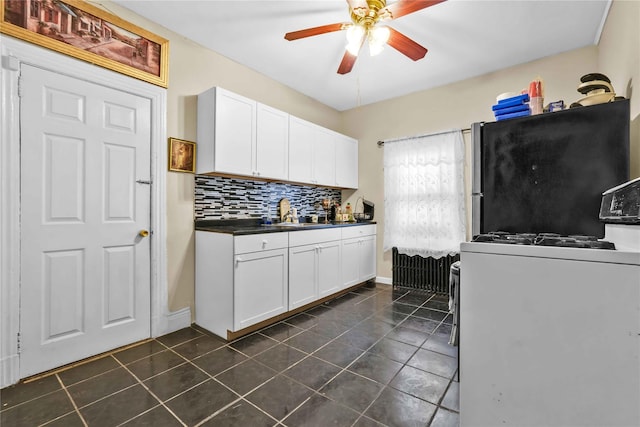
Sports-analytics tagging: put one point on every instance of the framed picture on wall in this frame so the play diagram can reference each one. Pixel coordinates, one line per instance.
(83, 31)
(182, 155)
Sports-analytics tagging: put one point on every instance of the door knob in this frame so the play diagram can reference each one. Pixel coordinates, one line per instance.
(143, 233)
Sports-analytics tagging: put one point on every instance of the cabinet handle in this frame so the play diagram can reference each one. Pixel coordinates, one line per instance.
(238, 261)
(264, 244)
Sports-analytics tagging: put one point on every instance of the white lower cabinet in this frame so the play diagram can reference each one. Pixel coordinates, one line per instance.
(350, 261)
(303, 268)
(240, 280)
(314, 260)
(358, 254)
(260, 286)
(329, 259)
(244, 280)
(367, 262)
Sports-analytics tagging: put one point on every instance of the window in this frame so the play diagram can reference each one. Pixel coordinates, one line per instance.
(51, 15)
(35, 9)
(424, 195)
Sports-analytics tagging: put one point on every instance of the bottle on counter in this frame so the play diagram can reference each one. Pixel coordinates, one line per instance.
(349, 212)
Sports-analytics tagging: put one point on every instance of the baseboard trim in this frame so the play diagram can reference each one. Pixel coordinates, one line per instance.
(178, 319)
(384, 280)
(9, 370)
(10, 367)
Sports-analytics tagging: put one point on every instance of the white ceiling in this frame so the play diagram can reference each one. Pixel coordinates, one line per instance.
(465, 38)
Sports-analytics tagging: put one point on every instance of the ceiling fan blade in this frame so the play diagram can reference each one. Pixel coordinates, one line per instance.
(359, 7)
(405, 7)
(315, 31)
(405, 45)
(347, 62)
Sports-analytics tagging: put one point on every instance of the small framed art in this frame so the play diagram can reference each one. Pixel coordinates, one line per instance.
(182, 155)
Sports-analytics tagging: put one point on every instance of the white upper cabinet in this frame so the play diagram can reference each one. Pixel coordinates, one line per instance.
(311, 153)
(346, 162)
(226, 133)
(239, 136)
(301, 141)
(321, 156)
(324, 157)
(272, 143)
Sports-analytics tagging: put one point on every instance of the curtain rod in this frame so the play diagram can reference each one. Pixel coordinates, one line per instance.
(381, 143)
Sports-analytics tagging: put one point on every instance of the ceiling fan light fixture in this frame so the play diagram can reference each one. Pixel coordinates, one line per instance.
(378, 37)
(375, 48)
(365, 15)
(355, 35)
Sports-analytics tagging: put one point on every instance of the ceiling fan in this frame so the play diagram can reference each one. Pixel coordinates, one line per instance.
(365, 16)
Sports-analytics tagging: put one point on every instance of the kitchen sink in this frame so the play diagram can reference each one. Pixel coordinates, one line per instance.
(294, 224)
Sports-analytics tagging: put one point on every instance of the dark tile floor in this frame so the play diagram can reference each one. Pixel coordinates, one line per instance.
(374, 357)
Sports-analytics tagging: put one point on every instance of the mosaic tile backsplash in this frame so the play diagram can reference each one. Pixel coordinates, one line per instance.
(233, 198)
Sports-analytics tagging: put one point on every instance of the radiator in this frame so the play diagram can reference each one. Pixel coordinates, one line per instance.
(427, 274)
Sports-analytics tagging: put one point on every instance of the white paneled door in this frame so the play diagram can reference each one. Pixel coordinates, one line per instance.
(85, 250)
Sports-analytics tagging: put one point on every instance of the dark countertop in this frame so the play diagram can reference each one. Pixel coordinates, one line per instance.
(254, 226)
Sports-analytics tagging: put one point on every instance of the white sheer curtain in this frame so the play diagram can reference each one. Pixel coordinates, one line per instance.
(424, 210)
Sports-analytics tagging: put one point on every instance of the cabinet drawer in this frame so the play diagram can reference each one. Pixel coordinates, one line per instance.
(309, 237)
(260, 242)
(358, 231)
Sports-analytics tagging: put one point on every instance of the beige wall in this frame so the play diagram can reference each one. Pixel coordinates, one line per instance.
(619, 59)
(459, 104)
(449, 107)
(192, 69)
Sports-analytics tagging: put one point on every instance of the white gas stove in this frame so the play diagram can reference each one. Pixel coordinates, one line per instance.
(551, 335)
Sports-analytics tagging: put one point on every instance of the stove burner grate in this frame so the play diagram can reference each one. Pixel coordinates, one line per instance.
(544, 239)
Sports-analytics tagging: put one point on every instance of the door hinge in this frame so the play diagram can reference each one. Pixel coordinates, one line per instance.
(19, 344)
(20, 86)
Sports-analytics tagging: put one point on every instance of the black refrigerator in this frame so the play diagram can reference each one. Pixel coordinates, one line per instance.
(546, 173)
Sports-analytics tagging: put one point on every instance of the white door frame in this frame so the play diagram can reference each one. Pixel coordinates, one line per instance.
(13, 53)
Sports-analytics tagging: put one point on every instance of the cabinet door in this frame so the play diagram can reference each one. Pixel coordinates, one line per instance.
(301, 141)
(324, 157)
(350, 262)
(260, 286)
(235, 130)
(329, 268)
(346, 162)
(272, 143)
(367, 262)
(303, 269)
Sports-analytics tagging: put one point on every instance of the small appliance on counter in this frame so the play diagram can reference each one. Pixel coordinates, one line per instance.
(368, 208)
(367, 211)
